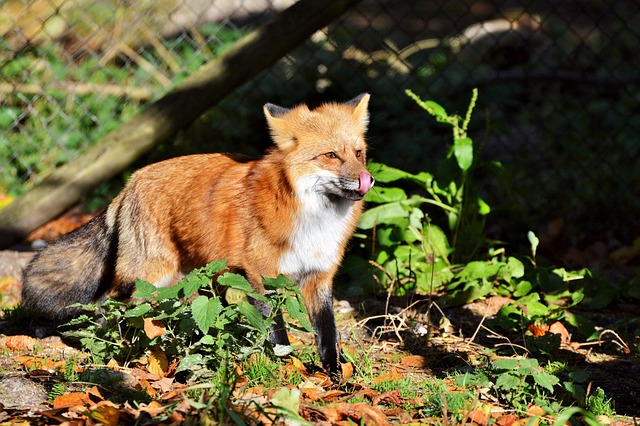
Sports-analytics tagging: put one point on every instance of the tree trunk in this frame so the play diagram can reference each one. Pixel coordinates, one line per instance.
(161, 120)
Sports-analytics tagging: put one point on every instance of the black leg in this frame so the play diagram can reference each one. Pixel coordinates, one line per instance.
(324, 324)
(278, 330)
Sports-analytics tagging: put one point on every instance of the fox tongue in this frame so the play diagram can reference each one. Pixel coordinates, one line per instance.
(365, 183)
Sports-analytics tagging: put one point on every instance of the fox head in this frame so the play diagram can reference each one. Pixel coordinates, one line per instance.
(324, 149)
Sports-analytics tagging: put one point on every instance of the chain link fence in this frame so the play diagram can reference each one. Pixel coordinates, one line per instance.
(556, 122)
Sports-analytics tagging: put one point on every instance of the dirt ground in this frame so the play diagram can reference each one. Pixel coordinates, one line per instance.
(609, 365)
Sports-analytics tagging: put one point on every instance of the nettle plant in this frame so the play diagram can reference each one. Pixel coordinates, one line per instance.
(199, 328)
(455, 260)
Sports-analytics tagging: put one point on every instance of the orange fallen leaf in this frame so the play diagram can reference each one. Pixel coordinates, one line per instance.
(158, 362)
(507, 420)
(559, 328)
(104, 412)
(18, 343)
(297, 365)
(362, 413)
(347, 370)
(71, 400)
(394, 374)
(144, 383)
(113, 364)
(388, 398)
(94, 394)
(414, 361)
(478, 417)
(537, 330)
(154, 328)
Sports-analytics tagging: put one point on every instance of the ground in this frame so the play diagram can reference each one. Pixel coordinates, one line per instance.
(410, 341)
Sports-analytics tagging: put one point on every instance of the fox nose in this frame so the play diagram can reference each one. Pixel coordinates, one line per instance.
(366, 182)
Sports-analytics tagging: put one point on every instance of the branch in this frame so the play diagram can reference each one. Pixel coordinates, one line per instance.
(164, 118)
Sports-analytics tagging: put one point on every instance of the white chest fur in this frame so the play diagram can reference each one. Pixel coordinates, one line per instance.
(319, 232)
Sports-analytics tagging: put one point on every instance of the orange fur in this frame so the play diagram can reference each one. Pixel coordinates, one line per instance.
(291, 212)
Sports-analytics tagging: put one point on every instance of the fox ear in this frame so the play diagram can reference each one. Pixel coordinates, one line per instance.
(360, 111)
(278, 126)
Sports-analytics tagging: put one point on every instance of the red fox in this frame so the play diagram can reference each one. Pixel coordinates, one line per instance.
(291, 212)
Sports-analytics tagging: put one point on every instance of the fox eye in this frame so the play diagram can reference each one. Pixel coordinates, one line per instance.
(331, 155)
(359, 153)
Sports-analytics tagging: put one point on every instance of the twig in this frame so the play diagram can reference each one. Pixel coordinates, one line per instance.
(73, 88)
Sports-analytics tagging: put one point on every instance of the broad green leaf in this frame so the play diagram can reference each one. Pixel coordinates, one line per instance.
(205, 312)
(512, 269)
(385, 195)
(138, 311)
(480, 269)
(435, 240)
(294, 309)
(463, 151)
(507, 381)
(382, 214)
(169, 292)
(279, 282)
(254, 317)
(286, 398)
(546, 380)
(144, 289)
(189, 362)
(236, 281)
(193, 281)
(216, 266)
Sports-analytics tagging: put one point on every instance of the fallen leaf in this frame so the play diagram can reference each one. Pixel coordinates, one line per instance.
(414, 361)
(507, 420)
(388, 398)
(71, 400)
(158, 362)
(478, 417)
(362, 413)
(147, 387)
(347, 370)
(113, 364)
(558, 328)
(163, 385)
(104, 412)
(18, 343)
(538, 331)
(297, 365)
(154, 408)
(94, 393)
(394, 374)
(154, 328)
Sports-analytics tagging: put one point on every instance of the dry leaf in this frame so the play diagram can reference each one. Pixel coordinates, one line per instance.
(113, 364)
(94, 394)
(507, 420)
(154, 408)
(538, 331)
(154, 328)
(558, 328)
(414, 361)
(297, 365)
(147, 387)
(18, 343)
(104, 412)
(362, 413)
(387, 398)
(394, 374)
(478, 417)
(158, 362)
(347, 370)
(71, 399)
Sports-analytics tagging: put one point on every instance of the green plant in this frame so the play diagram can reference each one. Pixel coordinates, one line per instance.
(196, 329)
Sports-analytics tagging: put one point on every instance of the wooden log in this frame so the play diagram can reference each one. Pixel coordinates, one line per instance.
(164, 118)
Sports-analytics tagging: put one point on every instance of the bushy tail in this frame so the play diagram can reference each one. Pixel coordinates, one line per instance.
(78, 268)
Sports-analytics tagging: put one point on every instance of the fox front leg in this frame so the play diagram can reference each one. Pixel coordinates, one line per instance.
(319, 303)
